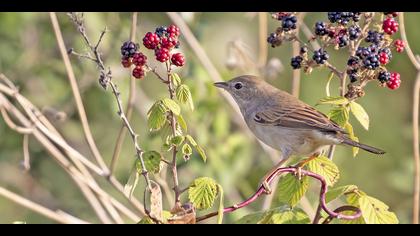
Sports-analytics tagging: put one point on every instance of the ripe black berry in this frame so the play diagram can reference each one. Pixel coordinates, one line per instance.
(354, 32)
(321, 28)
(289, 23)
(296, 62)
(128, 49)
(374, 37)
(161, 31)
(353, 61)
(320, 56)
(384, 76)
(273, 40)
(371, 62)
(356, 16)
(343, 41)
(303, 50)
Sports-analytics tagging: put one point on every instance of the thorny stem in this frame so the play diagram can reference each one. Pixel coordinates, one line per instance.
(293, 170)
(174, 147)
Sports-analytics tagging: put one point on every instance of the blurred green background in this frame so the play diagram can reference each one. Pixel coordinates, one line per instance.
(30, 57)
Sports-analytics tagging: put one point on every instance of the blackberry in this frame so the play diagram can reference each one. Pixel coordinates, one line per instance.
(340, 17)
(178, 59)
(138, 72)
(384, 76)
(173, 30)
(356, 16)
(296, 62)
(353, 61)
(161, 31)
(320, 56)
(280, 15)
(126, 62)
(390, 26)
(362, 52)
(394, 81)
(387, 51)
(151, 40)
(139, 59)
(303, 50)
(289, 23)
(374, 37)
(371, 62)
(128, 49)
(273, 40)
(162, 54)
(354, 32)
(353, 78)
(399, 45)
(343, 41)
(393, 14)
(321, 28)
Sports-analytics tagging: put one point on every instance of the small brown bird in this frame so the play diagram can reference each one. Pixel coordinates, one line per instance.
(283, 122)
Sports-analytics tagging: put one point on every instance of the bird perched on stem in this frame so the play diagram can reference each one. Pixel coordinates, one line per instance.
(285, 123)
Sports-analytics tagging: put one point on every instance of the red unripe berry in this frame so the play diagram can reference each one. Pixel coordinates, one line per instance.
(126, 62)
(172, 29)
(162, 54)
(139, 59)
(138, 72)
(383, 58)
(394, 82)
(178, 59)
(390, 26)
(169, 42)
(399, 45)
(151, 40)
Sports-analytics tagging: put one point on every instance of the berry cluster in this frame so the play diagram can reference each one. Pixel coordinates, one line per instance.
(162, 41)
(343, 18)
(131, 56)
(287, 28)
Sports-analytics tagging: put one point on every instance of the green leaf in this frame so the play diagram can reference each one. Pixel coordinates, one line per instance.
(156, 116)
(333, 101)
(280, 215)
(176, 80)
(177, 140)
(201, 152)
(338, 192)
(132, 182)
(326, 168)
(191, 140)
(183, 94)
(172, 106)
(339, 115)
(203, 192)
(349, 129)
(152, 162)
(146, 221)
(291, 189)
(182, 123)
(221, 207)
(361, 115)
(375, 211)
(186, 149)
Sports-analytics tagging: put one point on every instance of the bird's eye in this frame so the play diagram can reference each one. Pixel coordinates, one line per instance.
(238, 86)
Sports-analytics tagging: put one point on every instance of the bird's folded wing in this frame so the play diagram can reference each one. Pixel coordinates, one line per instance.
(303, 117)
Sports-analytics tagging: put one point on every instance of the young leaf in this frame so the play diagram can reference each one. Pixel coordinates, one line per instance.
(280, 215)
(333, 101)
(291, 189)
(186, 150)
(152, 162)
(203, 192)
(146, 221)
(176, 80)
(184, 96)
(201, 152)
(191, 140)
(338, 192)
(182, 123)
(172, 106)
(326, 168)
(221, 207)
(156, 116)
(349, 129)
(339, 115)
(177, 140)
(361, 115)
(376, 212)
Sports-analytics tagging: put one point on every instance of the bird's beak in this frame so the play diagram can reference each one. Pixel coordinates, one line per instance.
(222, 85)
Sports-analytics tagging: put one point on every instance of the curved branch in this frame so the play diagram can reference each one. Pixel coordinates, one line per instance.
(410, 53)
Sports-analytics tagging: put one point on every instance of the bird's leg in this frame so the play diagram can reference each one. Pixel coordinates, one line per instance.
(302, 163)
(265, 183)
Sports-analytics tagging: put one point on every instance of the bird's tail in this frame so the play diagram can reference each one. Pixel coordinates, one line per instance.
(365, 147)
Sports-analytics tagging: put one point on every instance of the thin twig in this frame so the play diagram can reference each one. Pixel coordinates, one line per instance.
(338, 210)
(410, 53)
(262, 39)
(130, 104)
(26, 156)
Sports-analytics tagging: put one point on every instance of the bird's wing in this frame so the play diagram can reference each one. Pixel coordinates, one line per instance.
(303, 117)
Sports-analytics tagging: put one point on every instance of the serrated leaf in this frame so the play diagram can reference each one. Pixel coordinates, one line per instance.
(152, 162)
(201, 152)
(177, 140)
(183, 94)
(280, 215)
(360, 113)
(291, 189)
(333, 101)
(176, 80)
(156, 116)
(339, 115)
(172, 106)
(203, 192)
(349, 128)
(358, 221)
(326, 168)
(375, 211)
(182, 123)
(335, 193)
